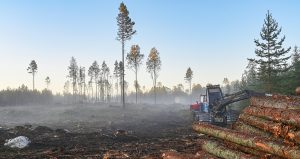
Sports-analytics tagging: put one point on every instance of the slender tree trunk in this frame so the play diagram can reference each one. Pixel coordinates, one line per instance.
(123, 74)
(136, 86)
(111, 90)
(107, 90)
(190, 87)
(117, 99)
(84, 89)
(32, 80)
(74, 97)
(269, 59)
(96, 93)
(154, 86)
(121, 93)
(92, 93)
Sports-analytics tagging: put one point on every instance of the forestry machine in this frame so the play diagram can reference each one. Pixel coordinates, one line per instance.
(217, 102)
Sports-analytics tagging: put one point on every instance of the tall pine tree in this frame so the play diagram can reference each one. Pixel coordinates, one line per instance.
(271, 56)
(153, 67)
(73, 75)
(188, 77)
(32, 69)
(125, 32)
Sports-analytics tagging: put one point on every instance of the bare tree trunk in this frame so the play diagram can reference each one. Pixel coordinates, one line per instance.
(96, 90)
(121, 93)
(136, 86)
(107, 88)
(190, 86)
(32, 80)
(92, 93)
(84, 89)
(155, 90)
(74, 95)
(123, 74)
(154, 76)
(117, 99)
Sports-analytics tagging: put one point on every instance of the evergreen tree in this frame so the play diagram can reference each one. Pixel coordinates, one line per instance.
(188, 77)
(47, 80)
(82, 81)
(96, 73)
(73, 74)
(32, 69)
(272, 59)
(249, 77)
(125, 32)
(134, 60)
(105, 71)
(153, 67)
(92, 76)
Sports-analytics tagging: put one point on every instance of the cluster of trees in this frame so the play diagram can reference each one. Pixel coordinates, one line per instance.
(99, 86)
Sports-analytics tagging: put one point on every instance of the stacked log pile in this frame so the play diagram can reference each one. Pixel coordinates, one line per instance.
(268, 128)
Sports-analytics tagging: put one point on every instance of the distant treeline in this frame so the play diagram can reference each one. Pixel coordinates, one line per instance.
(24, 96)
(165, 95)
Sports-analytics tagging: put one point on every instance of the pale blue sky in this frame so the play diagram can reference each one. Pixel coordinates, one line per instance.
(213, 37)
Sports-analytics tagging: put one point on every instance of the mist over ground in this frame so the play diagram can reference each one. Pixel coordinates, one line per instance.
(94, 117)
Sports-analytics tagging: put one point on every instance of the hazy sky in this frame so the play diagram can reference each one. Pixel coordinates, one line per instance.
(213, 37)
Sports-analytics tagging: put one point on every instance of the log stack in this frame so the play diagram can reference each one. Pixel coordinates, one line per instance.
(268, 128)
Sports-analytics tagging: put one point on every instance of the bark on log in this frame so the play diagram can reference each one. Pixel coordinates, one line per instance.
(286, 116)
(277, 101)
(242, 127)
(205, 155)
(278, 129)
(177, 155)
(251, 141)
(217, 149)
(261, 154)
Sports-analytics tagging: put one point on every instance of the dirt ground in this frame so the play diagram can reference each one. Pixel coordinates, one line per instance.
(97, 131)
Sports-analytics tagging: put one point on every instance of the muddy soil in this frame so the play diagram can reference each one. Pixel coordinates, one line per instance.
(106, 131)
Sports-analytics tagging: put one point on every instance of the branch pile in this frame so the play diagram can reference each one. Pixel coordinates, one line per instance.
(268, 128)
